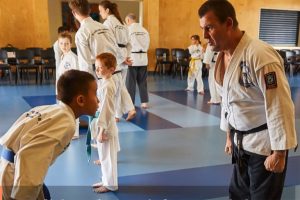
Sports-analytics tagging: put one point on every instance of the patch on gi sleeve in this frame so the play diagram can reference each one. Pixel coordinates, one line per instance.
(271, 81)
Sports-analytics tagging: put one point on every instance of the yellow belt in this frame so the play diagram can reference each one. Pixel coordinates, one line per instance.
(193, 68)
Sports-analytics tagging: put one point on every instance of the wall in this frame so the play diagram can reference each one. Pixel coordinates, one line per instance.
(24, 23)
(175, 21)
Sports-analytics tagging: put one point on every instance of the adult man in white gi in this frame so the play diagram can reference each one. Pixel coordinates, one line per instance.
(137, 72)
(257, 108)
(40, 135)
(92, 39)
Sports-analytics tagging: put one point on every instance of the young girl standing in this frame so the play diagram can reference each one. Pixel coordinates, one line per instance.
(195, 66)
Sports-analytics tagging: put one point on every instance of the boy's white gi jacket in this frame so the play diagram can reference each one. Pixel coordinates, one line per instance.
(68, 61)
(121, 35)
(140, 41)
(37, 138)
(255, 91)
(92, 39)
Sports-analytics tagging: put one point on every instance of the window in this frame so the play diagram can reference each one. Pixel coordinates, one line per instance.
(279, 27)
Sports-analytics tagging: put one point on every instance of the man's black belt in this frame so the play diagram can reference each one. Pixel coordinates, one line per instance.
(237, 157)
(122, 45)
(138, 52)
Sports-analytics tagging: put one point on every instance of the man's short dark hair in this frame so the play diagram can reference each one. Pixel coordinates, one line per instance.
(72, 83)
(80, 6)
(221, 8)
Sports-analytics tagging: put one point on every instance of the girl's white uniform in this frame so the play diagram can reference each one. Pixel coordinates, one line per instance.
(210, 59)
(123, 101)
(69, 61)
(195, 68)
(108, 150)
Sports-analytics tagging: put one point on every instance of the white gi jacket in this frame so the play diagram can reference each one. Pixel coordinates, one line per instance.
(57, 55)
(93, 38)
(255, 91)
(107, 96)
(121, 34)
(210, 57)
(140, 41)
(37, 138)
(68, 61)
(196, 51)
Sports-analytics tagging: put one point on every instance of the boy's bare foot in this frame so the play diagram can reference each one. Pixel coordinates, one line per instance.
(75, 137)
(201, 93)
(97, 162)
(101, 189)
(94, 145)
(131, 115)
(117, 119)
(96, 185)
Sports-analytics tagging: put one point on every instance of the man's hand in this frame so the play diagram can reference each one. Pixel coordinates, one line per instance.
(228, 145)
(276, 162)
(128, 61)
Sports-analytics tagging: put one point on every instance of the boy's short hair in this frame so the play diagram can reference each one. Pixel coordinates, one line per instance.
(72, 83)
(108, 60)
(80, 6)
(62, 29)
(65, 35)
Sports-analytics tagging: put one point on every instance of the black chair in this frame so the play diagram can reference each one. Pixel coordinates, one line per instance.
(162, 59)
(74, 50)
(48, 64)
(11, 54)
(37, 55)
(25, 63)
(182, 57)
(174, 60)
(4, 66)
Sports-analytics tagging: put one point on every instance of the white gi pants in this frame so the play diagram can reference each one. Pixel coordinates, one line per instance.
(108, 158)
(214, 96)
(196, 75)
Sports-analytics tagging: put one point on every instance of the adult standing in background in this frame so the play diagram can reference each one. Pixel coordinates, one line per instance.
(110, 13)
(257, 110)
(209, 59)
(137, 72)
(92, 38)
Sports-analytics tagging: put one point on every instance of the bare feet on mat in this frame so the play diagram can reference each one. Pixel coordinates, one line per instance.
(213, 103)
(96, 185)
(201, 93)
(131, 115)
(97, 162)
(144, 105)
(101, 189)
(117, 119)
(75, 137)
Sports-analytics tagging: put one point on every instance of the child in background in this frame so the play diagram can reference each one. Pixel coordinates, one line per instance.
(68, 61)
(195, 66)
(107, 131)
